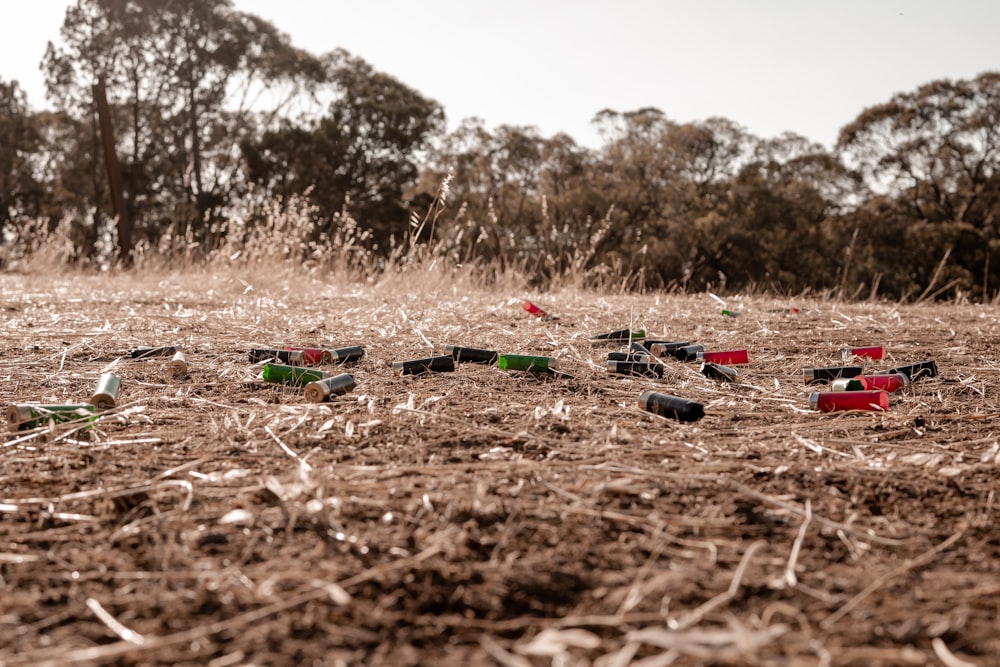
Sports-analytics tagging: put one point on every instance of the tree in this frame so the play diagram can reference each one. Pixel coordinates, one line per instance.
(362, 154)
(20, 189)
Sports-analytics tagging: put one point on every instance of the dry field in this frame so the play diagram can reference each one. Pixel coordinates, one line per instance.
(489, 517)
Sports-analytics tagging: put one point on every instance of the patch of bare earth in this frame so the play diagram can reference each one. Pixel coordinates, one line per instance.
(482, 516)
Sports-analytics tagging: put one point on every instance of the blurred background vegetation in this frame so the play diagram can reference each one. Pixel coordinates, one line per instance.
(232, 146)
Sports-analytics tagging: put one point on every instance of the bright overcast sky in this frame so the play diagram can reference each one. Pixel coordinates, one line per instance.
(806, 66)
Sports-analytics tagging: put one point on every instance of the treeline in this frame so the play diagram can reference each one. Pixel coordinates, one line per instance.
(217, 124)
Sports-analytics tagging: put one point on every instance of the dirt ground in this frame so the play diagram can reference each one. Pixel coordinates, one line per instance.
(484, 516)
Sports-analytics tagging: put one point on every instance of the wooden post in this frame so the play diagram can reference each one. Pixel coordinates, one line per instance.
(114, 173)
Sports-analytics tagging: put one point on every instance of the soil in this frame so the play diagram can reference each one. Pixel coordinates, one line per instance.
(487, 516)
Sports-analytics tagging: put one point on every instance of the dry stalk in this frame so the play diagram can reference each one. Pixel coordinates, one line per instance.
(699, 613)
(793, 558)
(123, 632)
(908, 565)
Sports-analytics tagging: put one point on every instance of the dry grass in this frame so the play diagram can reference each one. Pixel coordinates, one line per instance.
(481, 516)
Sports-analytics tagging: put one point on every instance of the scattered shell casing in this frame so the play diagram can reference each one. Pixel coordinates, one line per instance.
(527, 362)
(811, 375)
(874, 352)
(472, 354)
(145, 352)
(724, 357)
(296, 375)
(719, 372)
(917, 371)
(833, 401)
(674, 407)
(287, 357)
(177, 367)
(858, 383)
(630, 356)
(688, 352)
(619, 336)
(343, 355)
(321, 390)
(20, 417)
(312, 356)
(106, 394)
(639, 368)
(439, 364)
(660, 348)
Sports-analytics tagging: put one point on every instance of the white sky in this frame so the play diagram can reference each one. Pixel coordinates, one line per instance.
(806, 66)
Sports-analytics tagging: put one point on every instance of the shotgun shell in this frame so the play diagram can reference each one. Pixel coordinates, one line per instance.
(527, 362)
(811, 375)
(916, 371)
(638, 348)
(345, 355)
(688, 352)
(295, 375)
(21, 417)
(630, 356)
(890, 382)
(682, 409)
(439, 364)
(640, 368)
(874, 352)
(538, 312)
(321, 390)
(727, 357)
(719, 372)
(831, 401)
(177, 367)
(730, 313)
(858, 383)
(106, 394)
(661, 348)
(312, 356)
(619, 336)
(288, 357)
(144, 352)
(472, 354)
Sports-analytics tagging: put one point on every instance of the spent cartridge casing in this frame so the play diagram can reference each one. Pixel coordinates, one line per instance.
(811, 375)
(346, 355)
(106, 394)
(639, 368)
(527, 362)
(833, 401)
(287, 357)
(177, 367)
(917, 371)
(321, 391)
(473, 355)
(661, 348)
(145, 352)
(21, 417)
(724, 357)
(294, 375)
(439, 364)
(719, 372)
(673, 407)
(688, 352)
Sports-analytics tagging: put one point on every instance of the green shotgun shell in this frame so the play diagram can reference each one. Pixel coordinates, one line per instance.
(443, 363)
(106, 394)
(21, 417)
(321, 390)
(681, 409)
(296, 375)
(527, 362)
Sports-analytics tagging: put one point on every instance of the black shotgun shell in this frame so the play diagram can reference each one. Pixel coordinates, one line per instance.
(719, 372)
(917, 371)
(143, 352)
(664, 347)
(681, 409)
(811, 375)
(621, 335)
(472, 354)
(343, 355)
(438, 364)
(640, 368)
(630, 356)
(290, 357)
(688, 352)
